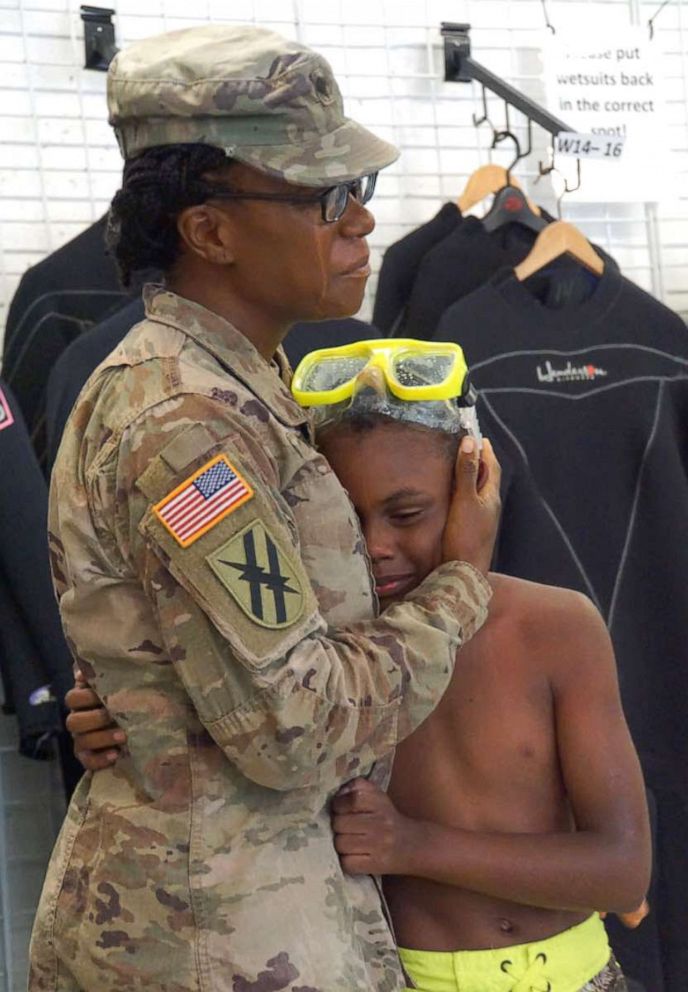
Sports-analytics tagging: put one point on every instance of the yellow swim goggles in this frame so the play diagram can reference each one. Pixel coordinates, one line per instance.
(413, 371)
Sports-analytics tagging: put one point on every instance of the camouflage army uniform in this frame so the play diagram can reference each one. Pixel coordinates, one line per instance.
(250, 685)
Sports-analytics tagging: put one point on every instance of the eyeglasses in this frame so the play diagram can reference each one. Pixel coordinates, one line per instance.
(413, 371)
(333, 201)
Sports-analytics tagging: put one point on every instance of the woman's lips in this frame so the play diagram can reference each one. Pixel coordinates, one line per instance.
(392, 585)
(361, 269)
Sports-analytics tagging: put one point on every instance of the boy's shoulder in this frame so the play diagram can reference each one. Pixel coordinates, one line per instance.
(542, 617)
(525, 600)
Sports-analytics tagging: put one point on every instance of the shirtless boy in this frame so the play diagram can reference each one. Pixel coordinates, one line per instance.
(517, 809)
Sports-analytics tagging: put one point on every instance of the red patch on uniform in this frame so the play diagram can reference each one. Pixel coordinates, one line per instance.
(6, 415)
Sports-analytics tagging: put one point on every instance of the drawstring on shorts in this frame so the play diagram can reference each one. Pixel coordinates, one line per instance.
(532, 980)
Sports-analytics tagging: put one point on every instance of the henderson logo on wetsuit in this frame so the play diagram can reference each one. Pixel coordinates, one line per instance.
(570, 373)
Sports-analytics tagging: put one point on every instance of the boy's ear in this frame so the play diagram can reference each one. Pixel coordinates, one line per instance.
(208, 232)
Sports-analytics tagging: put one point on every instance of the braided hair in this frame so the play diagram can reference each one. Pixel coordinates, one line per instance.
(156, 185)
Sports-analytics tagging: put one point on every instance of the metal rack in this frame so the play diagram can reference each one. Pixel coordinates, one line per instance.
(99, 37)
(461, 67)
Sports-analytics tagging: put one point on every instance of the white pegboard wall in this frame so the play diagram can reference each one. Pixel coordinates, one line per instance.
(59, 165)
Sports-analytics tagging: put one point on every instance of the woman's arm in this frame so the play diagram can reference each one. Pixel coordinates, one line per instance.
(296, 702)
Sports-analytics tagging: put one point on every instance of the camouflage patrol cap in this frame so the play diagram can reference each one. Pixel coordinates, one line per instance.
(267, 101)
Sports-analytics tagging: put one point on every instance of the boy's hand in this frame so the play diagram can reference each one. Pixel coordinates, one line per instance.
(634, 919)
(97, 738)
(473, 518)
(371, 836)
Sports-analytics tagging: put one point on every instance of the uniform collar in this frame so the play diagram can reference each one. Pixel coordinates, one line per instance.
(268, 381)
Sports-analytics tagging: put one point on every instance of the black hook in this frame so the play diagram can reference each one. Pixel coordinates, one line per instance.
(529, 149)
(477, 121)
(502, 136)
(651, 22)
(545, 170)
(505, 133)
(572, 189)
(548, 23)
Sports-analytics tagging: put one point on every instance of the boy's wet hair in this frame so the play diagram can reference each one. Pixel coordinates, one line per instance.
(364, 422)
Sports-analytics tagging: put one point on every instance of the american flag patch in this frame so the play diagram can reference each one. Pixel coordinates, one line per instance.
(202, 500)
(6, 417)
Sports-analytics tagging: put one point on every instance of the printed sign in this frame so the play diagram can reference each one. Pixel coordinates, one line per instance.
(605, 86)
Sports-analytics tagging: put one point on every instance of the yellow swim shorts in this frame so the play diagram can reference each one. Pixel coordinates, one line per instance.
(576, 960)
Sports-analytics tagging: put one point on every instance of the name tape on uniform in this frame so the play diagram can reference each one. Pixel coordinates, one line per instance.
(203, 500)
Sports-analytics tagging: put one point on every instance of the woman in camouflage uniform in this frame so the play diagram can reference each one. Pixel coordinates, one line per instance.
(212, 578)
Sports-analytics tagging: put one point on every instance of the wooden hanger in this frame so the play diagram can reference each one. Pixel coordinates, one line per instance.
(483, 182)
(559, 238)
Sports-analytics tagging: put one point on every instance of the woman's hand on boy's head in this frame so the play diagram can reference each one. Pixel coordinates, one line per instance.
(370, 835)
(97, 738)
(473, 519)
